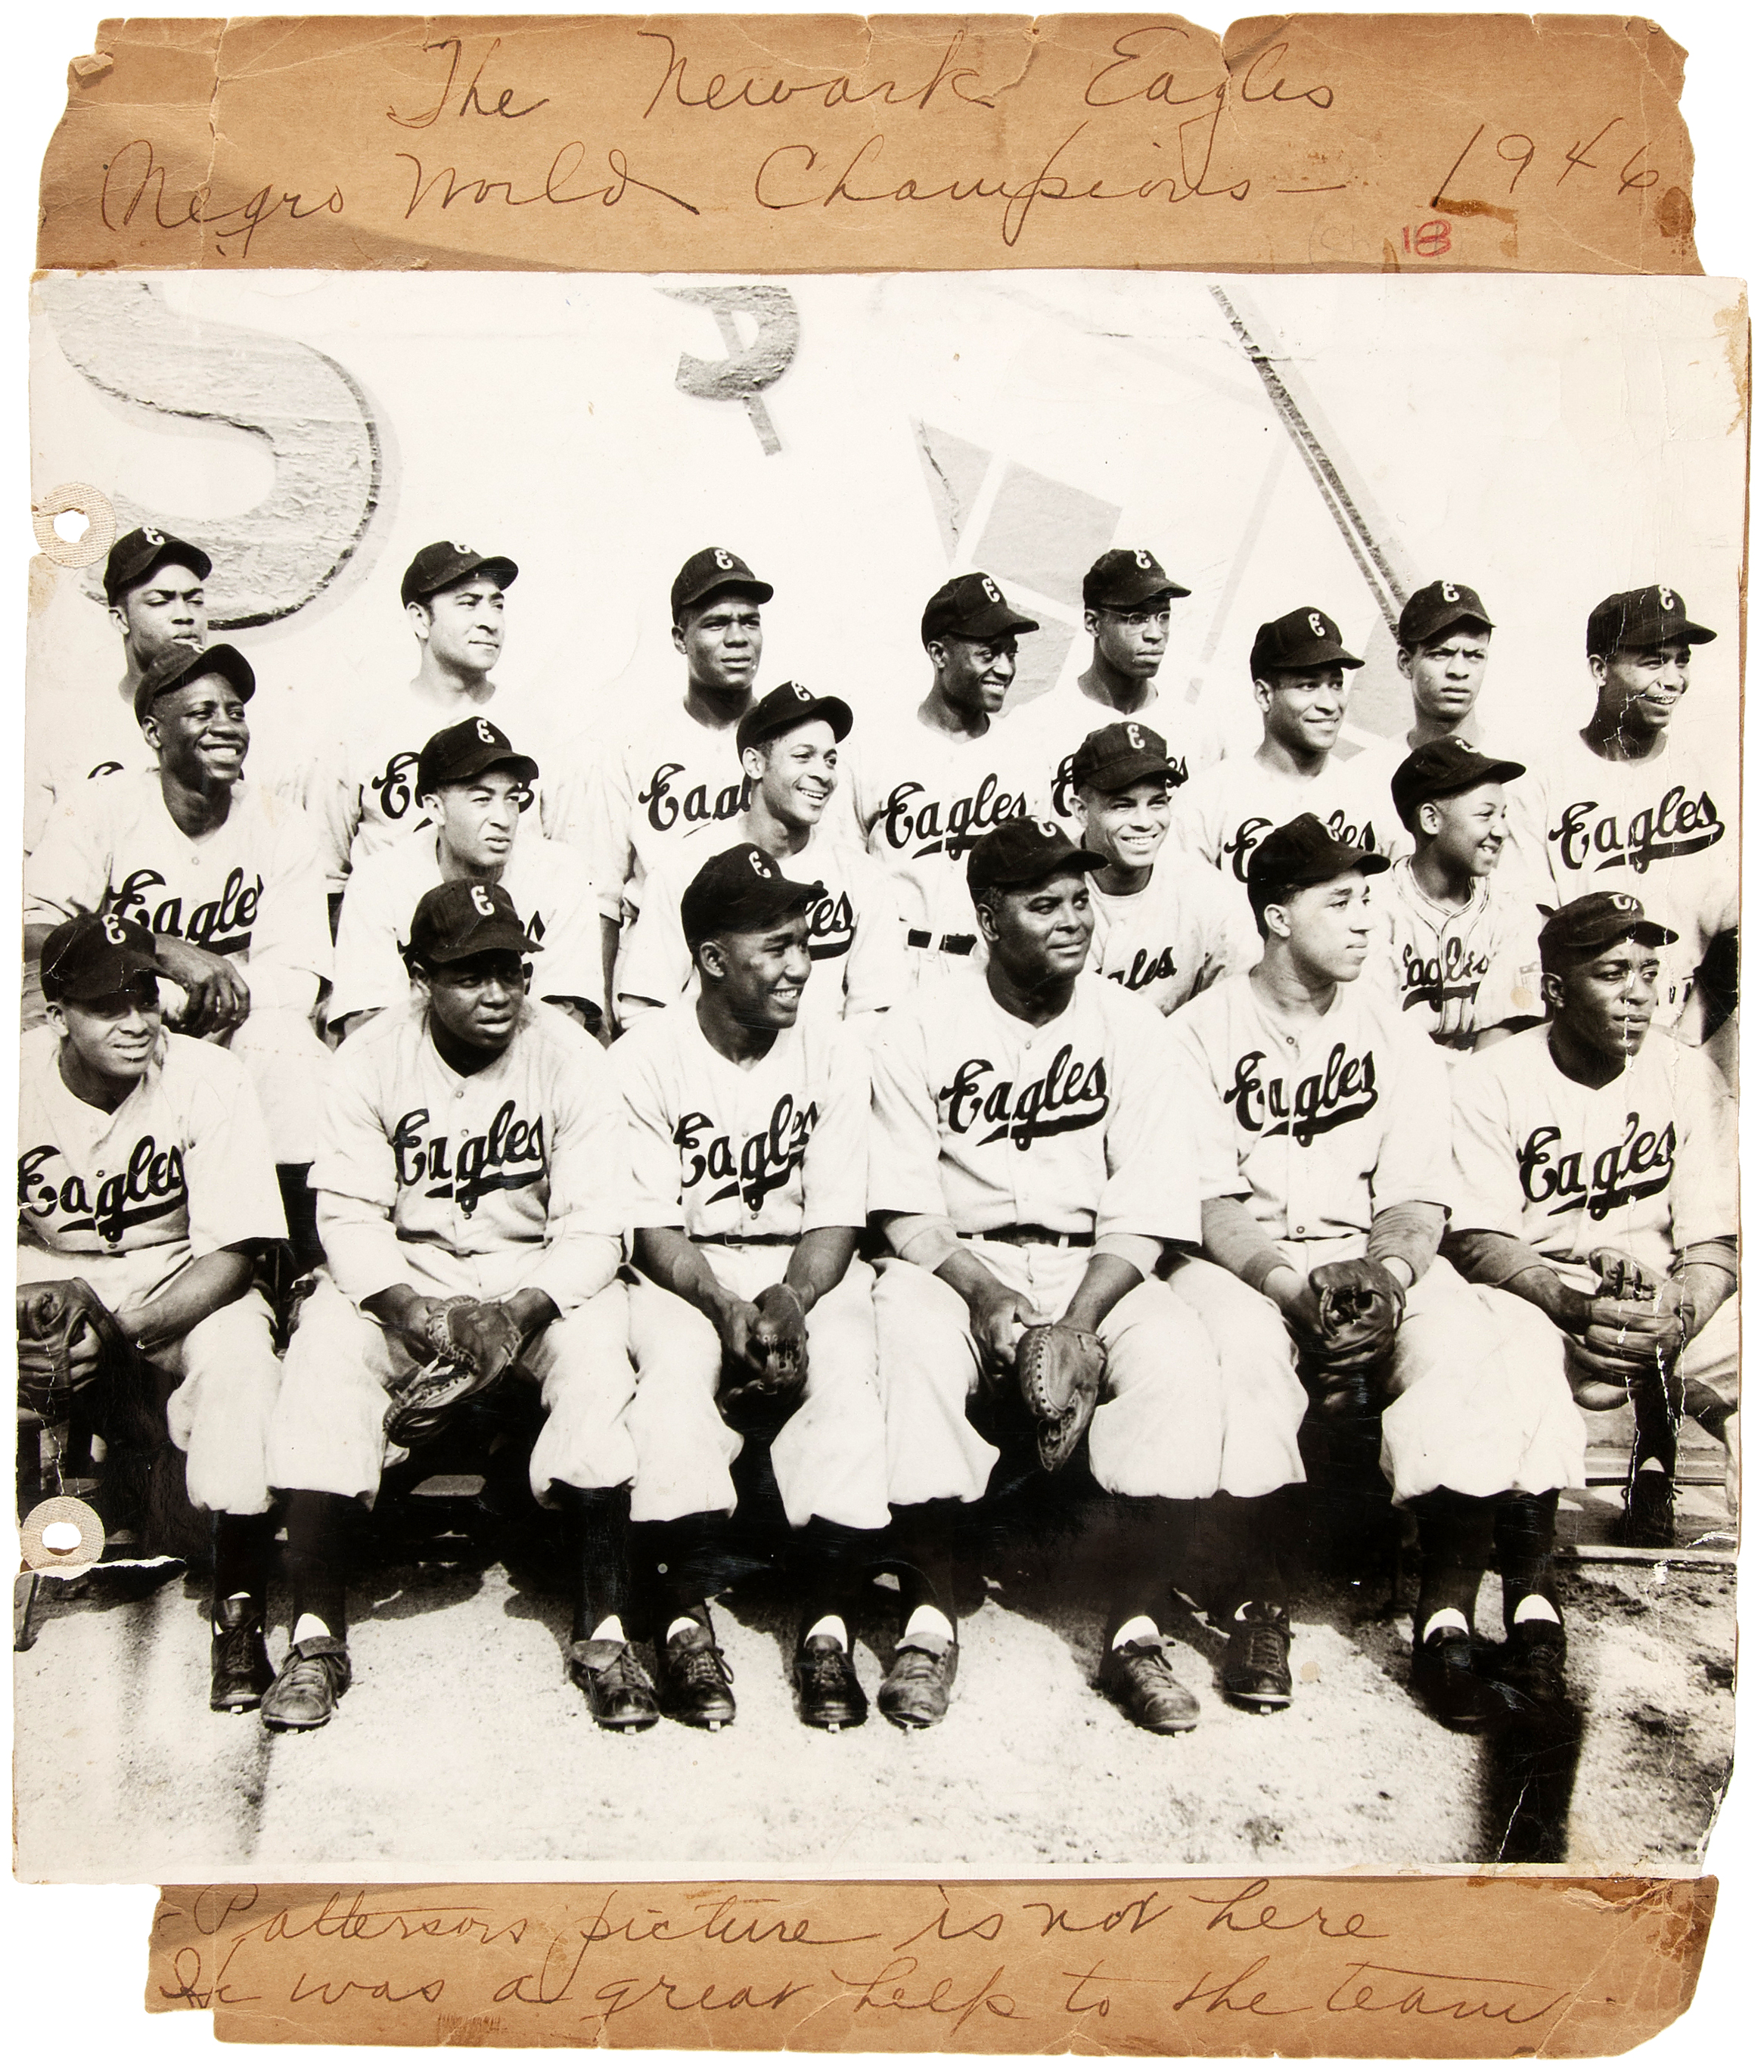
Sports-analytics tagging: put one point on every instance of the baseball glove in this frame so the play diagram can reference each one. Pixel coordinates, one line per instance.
(53, 1317)
(1598, 1381)
(1060, 1375)
(475, 1344)
(1360, 1308)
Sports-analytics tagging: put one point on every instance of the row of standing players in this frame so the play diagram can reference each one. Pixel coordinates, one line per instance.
(1119, 1232)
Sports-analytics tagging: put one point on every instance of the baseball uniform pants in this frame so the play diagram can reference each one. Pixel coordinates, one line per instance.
(1266, 1401)
(829, 1457)
(328, 1432)
(1158, 1431)
(288, 1066)
(228, 1375)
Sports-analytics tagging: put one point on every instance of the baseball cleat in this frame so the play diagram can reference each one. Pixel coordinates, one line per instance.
(239, 1671)
(1138, 1676)
(1256, 1674)
(619, 1693)
(1648, 1518)
(1531, 1663)
(915, 1691)
(829, 1694)
(1443, 1676)
(314, 1676)
(695, 1684)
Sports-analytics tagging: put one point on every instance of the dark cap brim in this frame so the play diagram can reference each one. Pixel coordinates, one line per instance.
(223, 660)
(1322, 869)
(1314, 656)
(523, 765)
(761, 593)
(1447, 615)
(1123, 770)
(992, 624)
(1653, 934)
(835, 711)
(1086, 861)
(770, 901)
(483, 941)
(1131, 600)
(110, 976)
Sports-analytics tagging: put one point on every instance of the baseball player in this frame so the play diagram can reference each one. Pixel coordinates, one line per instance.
(153, 586)
(1166, 925)
(677, 769)
(1597, 1179)
(1029, 1160)
(924, 795)
(474, 789)
(1621, 805)
(471, 1198)
(1452, 945)
(1296, 664)
(789, 745)
(1127, 609)
(228, 877)
(747, 1126)
(144, 1172)
(1326, 1156)
(1442, 644)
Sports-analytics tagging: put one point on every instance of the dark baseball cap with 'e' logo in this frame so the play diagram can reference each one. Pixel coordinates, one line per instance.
(740, 891)
(1591, 924)
(973, 608)
(710, 573)
(791, 705)
(445, 562)
(137, 554)
(464, 919)
(1307, 638)
(1435, 606)
(94, 956)
(1655, 616)
(1114, 757)
(465, 750)
(1126, 579)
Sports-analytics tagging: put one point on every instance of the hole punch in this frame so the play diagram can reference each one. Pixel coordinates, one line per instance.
(75, 524)
(62, 1533)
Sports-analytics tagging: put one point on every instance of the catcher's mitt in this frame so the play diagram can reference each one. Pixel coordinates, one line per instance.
(1360, 1307)
(1599, 1382)
(53, 1316)
(1060, 1375)
(475, 1344)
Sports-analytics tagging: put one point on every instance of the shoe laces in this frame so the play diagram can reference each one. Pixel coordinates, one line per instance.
(1264, 1647)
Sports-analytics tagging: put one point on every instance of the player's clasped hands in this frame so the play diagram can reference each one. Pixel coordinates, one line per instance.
(778, 1340)
(216, 998)
(1000, 1316)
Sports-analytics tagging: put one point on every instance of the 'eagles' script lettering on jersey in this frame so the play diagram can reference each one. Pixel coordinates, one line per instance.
(762, 1164)
(665, 810)
(1639, 1164)
(395, 786)
(1456, 973)
(1070, 1095)
(1238, 848)
(1346, 1089)
(832, 927)
(920, 830)
(510, 1155)
(222, 925)
(150, 1186)
(1066, 804)
(1678, 826)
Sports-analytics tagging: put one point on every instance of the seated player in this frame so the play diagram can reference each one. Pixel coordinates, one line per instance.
(747, 1128)
(1597, 1179)
(473, 789)
(789, 746)
(1327, 1162)
(1166, 925)
(1451, 944)
(1030, 1160)
(471, 1198)
(144, 1171)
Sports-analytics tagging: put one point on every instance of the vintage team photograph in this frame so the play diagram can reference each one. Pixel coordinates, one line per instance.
(885, 1073)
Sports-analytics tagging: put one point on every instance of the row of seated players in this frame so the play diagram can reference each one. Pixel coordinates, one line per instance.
(884, 1210)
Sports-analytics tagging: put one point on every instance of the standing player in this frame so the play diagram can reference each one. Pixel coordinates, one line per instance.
(1029, 1160)
(473, 789)
(678, 768)
(1597, 1179)
(1442, 642)
(747, 1129)
(1326, 1163)
(1625, 804)
(1296, 665)
(144, 1171)
(1452, 946)
(471, 1189)
(924, 795)
(1166, 925)
(789, 744)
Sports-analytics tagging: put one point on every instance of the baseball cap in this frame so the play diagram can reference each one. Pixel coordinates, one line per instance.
(1120, 754)
(708, 573)
(1432, 609)
(1642, 618)
(741, 890)
(1126, 577)
(1302, 639)
(465, 750)
(1023, 852)
(974, 607)
(1437, 769)
(1304, 853)
(184, 665)
(464, 919)
(94, 954)
(790, 704)
(137, 554)
(1592, 923)
(445, 562)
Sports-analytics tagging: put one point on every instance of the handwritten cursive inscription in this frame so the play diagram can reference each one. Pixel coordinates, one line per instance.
(470, 101)
(134, 169)
(838, 89)
(554, 188)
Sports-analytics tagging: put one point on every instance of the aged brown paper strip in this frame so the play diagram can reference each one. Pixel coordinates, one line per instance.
(757, 143)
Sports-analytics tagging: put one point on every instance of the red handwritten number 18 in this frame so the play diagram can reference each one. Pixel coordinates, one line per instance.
(1429, 240)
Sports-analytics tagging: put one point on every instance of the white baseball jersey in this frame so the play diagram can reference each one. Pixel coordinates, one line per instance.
(101, 738)
(1189, 927)
(1224, 815)
(182, 1168)
(1317, 1124)
(770, 1150)
(252, 891)
(526, 1155)
(1058, 722)
(1647, 1164)
(1456, 970)
(856, 943)
(1077, 1126)
(548, 883)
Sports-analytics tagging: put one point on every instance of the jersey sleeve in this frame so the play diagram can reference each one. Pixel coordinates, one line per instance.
(1705, 1181)
(1194, 820)
(904, 1137)
(604, 834)
(1524, 865)
(354, 1174)
(290, 938)
(1152, 1188)
(654, 964)
(1485, 1162)
(229, 1170)
(333, 800)
(877, 974)
(68, 872)
(1230, 942)
(585, 1217)
(370, 972)
(836, 1165)
(1513, 990)
(1415, 1152)
(570, 966)
(651, 1157)
(1218, 1172)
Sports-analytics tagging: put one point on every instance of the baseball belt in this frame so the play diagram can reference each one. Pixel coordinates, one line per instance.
(1031, 1234)
(737, 1241)
(953, 946)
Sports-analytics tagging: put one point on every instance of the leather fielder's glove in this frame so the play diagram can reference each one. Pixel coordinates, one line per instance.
(475, 1344)
(752, 1396)
(54, 1316)
(1360, 1306)
(1602, 1380)
(1060, 1375)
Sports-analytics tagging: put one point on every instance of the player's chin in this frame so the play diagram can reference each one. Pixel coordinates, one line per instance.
(1064, 958)
(784, 1005)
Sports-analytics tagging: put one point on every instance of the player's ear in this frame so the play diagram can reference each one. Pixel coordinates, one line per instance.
(1599, 666)
(1092, 620)
(118, 618)
(712, 959)
(429, 803)
(57, 1020)
(1277, 923)
(150, 734)
(1552, 987)
(1405, 662)
(1265, 693)
(938, 653)
(754, 764)
(420, 617)
(1427, 818)
(987, 919)
(679, 638)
